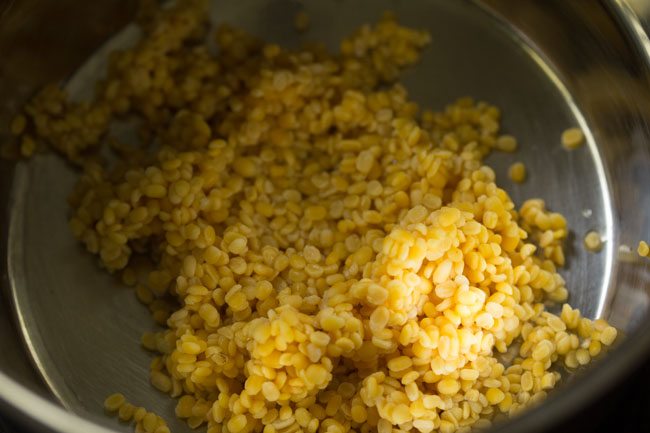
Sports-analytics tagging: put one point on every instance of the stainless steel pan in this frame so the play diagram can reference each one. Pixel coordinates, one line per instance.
(69, 335)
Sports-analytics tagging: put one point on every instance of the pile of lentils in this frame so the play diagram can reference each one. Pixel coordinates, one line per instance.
(323, 255)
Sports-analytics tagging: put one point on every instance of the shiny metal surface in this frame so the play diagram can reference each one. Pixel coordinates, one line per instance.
(548, 65)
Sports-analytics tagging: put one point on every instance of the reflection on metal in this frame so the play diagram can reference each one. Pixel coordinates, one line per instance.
(633, 15)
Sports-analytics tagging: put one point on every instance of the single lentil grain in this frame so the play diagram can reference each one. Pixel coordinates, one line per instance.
(572, 138)
(593, 241)
(517, 172)
(113, 402)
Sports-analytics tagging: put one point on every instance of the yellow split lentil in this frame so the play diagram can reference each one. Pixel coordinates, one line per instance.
(572, 138)
(325, 256)
(517, 172)
(506, 143)
(301, 21)
(593, 241)
(114, 402)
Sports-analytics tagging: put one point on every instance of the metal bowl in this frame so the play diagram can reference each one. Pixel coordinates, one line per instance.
(72, 336)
